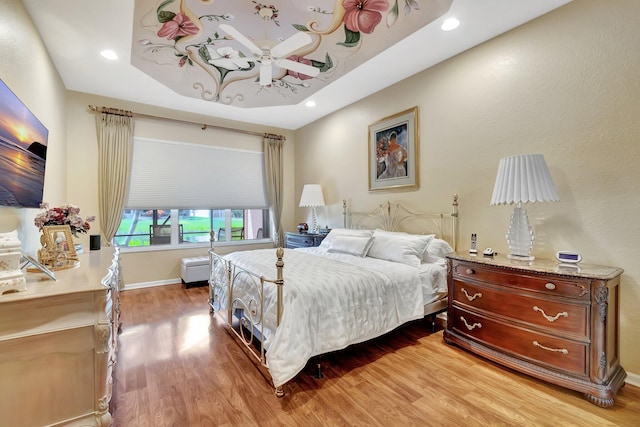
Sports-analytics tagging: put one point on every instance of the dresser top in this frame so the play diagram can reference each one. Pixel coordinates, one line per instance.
(85, 277)
(542, 265)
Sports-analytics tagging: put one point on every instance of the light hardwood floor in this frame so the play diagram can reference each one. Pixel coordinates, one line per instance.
(178, 367)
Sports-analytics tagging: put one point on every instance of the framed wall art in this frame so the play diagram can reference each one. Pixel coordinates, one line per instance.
(393, 151)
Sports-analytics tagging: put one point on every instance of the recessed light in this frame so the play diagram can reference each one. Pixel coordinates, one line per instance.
(310, 104)
(109, 54)
(450, 24)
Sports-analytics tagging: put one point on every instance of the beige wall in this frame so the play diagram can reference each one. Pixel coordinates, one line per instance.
(565, 85)
(144, 267)
(26, 69)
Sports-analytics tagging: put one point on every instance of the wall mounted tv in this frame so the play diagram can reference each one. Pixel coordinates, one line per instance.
(23, 153)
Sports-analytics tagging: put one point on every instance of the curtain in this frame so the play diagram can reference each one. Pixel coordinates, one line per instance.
(274, 171)
(115, 142)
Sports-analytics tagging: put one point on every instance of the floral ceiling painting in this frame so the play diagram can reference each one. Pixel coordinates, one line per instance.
(180, 43)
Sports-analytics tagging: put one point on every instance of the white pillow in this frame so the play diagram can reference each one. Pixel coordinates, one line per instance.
(352, 245)
(399, 247)
(437, 250)
(335, 232)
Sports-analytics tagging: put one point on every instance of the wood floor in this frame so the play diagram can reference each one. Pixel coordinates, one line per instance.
(178, 367)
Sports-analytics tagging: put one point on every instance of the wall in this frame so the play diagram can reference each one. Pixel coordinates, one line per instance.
(28, 71)
(565, 85)
(159, 266)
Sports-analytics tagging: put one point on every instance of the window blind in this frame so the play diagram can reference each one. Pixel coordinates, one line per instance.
(176, 175)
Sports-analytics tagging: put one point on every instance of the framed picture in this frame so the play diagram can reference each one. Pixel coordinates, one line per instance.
(393, 152)
(58, 238)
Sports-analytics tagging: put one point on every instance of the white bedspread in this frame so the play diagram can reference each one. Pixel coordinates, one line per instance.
(332, 301)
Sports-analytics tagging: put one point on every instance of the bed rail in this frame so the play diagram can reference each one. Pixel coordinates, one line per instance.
(244, 317)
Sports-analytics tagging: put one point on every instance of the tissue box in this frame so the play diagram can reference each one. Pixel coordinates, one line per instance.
(12, 281)
(11, 276)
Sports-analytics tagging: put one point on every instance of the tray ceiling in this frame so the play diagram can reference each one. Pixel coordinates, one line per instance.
(172, 53)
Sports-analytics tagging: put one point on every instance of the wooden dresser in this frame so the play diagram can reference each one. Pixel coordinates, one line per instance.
(303, 240)
(554, 322)
(58, 345)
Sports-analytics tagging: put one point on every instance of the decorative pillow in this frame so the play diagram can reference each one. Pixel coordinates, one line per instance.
(335, 232)
(352, 245)
(399, 247)
(437, 250)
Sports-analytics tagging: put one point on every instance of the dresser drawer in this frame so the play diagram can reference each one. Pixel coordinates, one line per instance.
(552, 352)
(555, 316)
(579, 289)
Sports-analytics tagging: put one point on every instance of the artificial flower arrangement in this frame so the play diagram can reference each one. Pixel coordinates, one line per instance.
(63, 215)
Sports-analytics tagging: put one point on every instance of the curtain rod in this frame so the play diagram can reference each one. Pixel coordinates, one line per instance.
(203, 126)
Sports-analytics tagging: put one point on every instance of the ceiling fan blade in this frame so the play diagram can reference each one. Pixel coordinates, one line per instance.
(265, 73)
(298, 67)
(287, 46)
(237, 35)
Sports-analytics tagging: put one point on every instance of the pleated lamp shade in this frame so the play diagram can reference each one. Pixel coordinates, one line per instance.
(311, 196)
(522, 179)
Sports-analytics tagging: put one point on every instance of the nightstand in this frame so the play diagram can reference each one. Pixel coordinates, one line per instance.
(556, 322)
(303, 240)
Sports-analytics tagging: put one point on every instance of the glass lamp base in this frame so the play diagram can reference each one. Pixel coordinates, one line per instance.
(519, 236)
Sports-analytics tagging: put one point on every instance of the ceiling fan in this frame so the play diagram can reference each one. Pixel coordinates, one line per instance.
(266, 55)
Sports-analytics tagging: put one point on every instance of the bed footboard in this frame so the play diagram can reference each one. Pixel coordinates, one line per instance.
(237, 296)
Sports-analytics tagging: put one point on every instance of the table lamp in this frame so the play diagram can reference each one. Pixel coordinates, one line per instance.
(521, 179)
(312, 197)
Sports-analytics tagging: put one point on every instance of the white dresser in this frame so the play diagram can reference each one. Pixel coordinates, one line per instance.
(58, 345)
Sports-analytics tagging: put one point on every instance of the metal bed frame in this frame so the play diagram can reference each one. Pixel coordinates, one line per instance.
(244, 319)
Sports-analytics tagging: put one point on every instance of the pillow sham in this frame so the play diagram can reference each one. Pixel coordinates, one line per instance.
(335, 232)
(399, 247)
(352, 245)
(437, 250)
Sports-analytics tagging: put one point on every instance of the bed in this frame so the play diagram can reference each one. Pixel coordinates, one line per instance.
(381, 270)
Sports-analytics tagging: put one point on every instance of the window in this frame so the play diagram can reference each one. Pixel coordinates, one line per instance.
(197, 182)
(156, 227)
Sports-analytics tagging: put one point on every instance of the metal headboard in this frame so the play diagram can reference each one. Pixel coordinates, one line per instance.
(394, 216)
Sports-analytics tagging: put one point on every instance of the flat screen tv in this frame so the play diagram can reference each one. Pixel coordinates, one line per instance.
(23, 153)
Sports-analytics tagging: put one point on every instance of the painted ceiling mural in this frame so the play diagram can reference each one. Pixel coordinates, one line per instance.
(249, 54)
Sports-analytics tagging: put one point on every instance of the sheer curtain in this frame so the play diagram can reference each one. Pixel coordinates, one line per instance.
(273, 168)
(115, 145)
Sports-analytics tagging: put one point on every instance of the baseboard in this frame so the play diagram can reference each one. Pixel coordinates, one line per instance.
(633, 379)
(142, 285)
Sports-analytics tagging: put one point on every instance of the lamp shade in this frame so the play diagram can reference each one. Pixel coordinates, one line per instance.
(524, 178)
(311, 195)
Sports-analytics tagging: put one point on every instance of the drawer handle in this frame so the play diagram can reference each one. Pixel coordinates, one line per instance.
(550, 286)
(470, 271)
(550, 318)
(470, 327)
(471, 297)
(557, 350)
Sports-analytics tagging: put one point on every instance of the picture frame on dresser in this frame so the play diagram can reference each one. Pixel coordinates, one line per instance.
(393, 151)
(59, 238)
